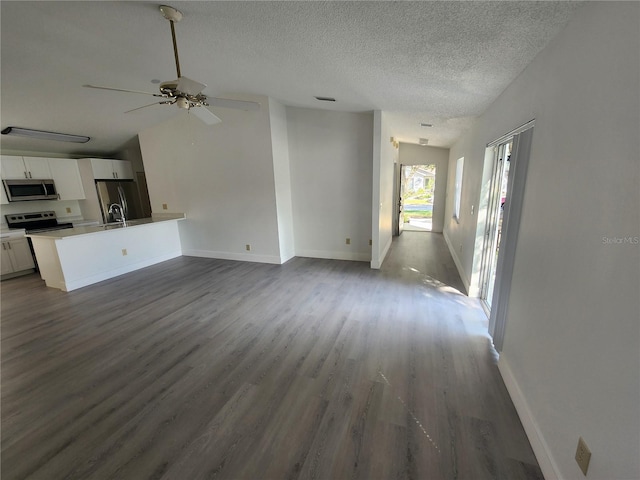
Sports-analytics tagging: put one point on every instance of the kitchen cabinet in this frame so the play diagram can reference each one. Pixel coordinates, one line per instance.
(104, 169)
(24, 167)
(3, 196)
(66, 175)
(16, 256)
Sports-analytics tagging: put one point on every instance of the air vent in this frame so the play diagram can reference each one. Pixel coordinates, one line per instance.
(325, 99)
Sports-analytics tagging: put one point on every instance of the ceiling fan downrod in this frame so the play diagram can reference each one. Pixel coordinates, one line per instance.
(173, 16)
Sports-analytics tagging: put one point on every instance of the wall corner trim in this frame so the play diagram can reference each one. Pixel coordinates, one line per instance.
(538, 444)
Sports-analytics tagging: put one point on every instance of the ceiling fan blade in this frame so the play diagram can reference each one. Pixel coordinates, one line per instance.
(190, 87)
(145, 106)
(205, 115)
(230, 103)
(123, 90)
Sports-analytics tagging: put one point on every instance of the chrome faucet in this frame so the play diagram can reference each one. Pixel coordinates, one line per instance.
(117, 212)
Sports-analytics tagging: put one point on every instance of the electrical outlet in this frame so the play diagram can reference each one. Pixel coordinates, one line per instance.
(124, 252)
(68, 210)
(248, 247)
(583, 455)
(348, 242)
(164, 206)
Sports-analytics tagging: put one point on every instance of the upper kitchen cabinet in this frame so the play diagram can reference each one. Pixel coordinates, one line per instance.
(111, 169)
(66, 175)
(24, 167)
(3, 196)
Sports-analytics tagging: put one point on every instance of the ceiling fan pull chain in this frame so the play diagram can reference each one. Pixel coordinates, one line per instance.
(175, 47)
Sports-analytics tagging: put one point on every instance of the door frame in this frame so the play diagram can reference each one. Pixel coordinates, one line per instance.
(490, 242)
(520, 153)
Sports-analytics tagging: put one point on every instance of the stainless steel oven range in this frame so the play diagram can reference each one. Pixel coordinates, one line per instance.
(35, 222)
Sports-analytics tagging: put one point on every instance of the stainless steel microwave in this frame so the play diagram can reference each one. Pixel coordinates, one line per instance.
(31, 189)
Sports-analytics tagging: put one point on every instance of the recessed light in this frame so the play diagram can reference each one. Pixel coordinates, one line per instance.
(325, 99)
(426, 125)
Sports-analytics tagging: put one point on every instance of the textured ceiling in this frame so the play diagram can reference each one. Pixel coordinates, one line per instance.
(436, 62)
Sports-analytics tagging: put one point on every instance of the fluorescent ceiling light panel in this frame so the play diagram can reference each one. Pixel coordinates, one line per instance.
(43, 135)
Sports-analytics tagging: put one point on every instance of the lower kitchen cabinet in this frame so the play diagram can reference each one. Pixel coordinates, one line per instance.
(16, 256)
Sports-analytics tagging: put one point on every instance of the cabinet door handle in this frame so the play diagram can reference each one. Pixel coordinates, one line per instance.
(25, 175)
(4, 246)
(9, 245)
(30, 175)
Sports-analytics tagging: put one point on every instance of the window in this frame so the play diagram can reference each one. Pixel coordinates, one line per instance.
(458, 188)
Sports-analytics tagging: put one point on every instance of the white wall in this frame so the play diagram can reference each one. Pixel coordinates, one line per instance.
(282, 177)
(330, 158)
(572, 341)
(385, 158)
(412, 154)
(222, 177)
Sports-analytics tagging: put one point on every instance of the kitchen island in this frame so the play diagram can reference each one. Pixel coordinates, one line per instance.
(76, 257)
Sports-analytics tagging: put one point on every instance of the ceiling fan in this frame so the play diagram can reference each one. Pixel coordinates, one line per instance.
(184, 92)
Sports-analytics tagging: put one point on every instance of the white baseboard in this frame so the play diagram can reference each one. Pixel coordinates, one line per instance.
(458, 263)
(383, 255)
(240, 257)
(538, 444)
(355, 257)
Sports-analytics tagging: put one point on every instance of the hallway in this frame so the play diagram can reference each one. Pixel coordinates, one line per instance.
(199, 368)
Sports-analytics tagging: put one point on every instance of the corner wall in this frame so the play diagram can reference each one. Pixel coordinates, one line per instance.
(330, 159)
(282, 178)
(222, 177)
(571, 353)
(385, 158)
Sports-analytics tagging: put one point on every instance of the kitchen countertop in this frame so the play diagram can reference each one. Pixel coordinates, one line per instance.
(90, 230)
(11, 232)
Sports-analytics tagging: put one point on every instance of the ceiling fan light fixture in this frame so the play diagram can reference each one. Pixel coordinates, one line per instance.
(44, 135)
(182, 102)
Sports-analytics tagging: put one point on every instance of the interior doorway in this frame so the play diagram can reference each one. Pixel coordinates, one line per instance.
(417, 196)
(495, 216)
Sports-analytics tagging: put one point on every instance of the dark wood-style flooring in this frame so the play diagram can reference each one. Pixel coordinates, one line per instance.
(210, 369)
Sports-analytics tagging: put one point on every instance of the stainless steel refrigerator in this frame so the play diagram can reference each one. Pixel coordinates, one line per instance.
(122, 192)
